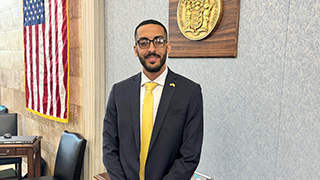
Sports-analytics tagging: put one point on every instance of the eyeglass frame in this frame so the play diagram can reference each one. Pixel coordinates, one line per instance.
(149, 40)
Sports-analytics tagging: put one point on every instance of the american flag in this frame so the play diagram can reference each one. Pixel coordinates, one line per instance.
(46, 52)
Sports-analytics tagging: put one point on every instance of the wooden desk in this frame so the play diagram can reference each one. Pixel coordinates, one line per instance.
(31, 151)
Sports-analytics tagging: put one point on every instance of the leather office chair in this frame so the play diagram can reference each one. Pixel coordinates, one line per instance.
(69, 160)
(9, 124)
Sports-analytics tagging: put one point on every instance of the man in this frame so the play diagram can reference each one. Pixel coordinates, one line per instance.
(153, 134)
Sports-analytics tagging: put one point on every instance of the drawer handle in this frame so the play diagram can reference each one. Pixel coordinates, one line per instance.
(5, 154)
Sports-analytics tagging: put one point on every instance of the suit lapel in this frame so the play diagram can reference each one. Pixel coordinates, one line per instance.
(135, 108)
(167, 93)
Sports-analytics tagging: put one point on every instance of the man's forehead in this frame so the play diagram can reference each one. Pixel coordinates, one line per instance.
(150, 30)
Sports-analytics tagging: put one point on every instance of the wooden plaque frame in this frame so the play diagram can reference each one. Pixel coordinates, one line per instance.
(222, 42)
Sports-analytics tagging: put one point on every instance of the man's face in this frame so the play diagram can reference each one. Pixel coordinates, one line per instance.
(152, 58)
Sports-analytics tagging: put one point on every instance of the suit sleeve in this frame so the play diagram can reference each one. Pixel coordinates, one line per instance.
(111, 158)
(184, 167)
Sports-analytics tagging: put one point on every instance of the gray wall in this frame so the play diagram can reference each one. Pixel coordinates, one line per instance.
(261, 108)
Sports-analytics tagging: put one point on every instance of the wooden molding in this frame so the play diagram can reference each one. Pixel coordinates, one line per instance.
(222, 42)
(93, 60)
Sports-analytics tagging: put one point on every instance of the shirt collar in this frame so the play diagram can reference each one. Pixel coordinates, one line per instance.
(159, 80)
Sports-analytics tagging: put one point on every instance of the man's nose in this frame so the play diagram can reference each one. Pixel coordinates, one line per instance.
(151, 48)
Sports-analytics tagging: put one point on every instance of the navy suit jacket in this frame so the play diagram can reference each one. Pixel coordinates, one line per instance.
(174, 150)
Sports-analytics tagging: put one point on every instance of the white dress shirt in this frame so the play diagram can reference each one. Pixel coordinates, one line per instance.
(157, 91)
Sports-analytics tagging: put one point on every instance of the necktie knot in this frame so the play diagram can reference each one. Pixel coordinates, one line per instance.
(150, 86)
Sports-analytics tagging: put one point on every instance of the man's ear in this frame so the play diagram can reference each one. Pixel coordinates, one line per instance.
(135, 50)
(168, 47)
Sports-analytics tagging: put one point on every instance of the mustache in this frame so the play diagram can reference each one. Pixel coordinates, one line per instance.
(152, 54)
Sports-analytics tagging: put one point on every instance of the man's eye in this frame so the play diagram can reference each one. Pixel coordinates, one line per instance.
(159, 41)
(143, 43)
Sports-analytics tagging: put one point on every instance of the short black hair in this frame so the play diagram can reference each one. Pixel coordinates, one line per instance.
(150, 21)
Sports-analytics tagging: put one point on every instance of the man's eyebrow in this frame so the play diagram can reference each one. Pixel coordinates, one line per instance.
(142, 38)
(150, 39)
(158, 37)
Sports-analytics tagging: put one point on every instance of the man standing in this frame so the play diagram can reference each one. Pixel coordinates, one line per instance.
(153, 127)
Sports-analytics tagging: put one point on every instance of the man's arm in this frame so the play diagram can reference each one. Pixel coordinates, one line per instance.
(190, 150)
(111, 158)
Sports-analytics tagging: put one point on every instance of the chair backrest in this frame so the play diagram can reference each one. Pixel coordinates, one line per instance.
(8, 123)
(70, 155)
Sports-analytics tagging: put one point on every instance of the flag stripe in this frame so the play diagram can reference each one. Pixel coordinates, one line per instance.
(49, 49)
(45, 73)
(34, 69)
(26, 66)
(48, 55)
(51, 56)
(60, 42)
(31, 66)
(41, 70)
(65, 56)
(57, 94)
(37, 67)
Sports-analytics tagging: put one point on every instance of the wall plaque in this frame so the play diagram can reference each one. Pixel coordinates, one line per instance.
(197, 19)
(203, 28)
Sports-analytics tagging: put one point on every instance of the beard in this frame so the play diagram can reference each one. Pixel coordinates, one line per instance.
(150, 68)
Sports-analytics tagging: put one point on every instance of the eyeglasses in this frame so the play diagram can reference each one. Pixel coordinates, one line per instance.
(158, 42)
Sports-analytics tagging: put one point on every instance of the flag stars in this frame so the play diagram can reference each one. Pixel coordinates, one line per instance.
(34, 12)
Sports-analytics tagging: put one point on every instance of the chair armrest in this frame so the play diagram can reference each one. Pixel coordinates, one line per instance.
(102, 176)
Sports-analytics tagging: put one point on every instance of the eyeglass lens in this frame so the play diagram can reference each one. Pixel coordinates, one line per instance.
(157, 42)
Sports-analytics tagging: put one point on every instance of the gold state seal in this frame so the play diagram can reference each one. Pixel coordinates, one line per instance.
(197, 18)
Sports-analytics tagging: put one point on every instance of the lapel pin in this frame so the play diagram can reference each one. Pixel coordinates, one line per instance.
(172, 84)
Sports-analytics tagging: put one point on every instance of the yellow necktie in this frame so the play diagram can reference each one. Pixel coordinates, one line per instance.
(147, 126)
